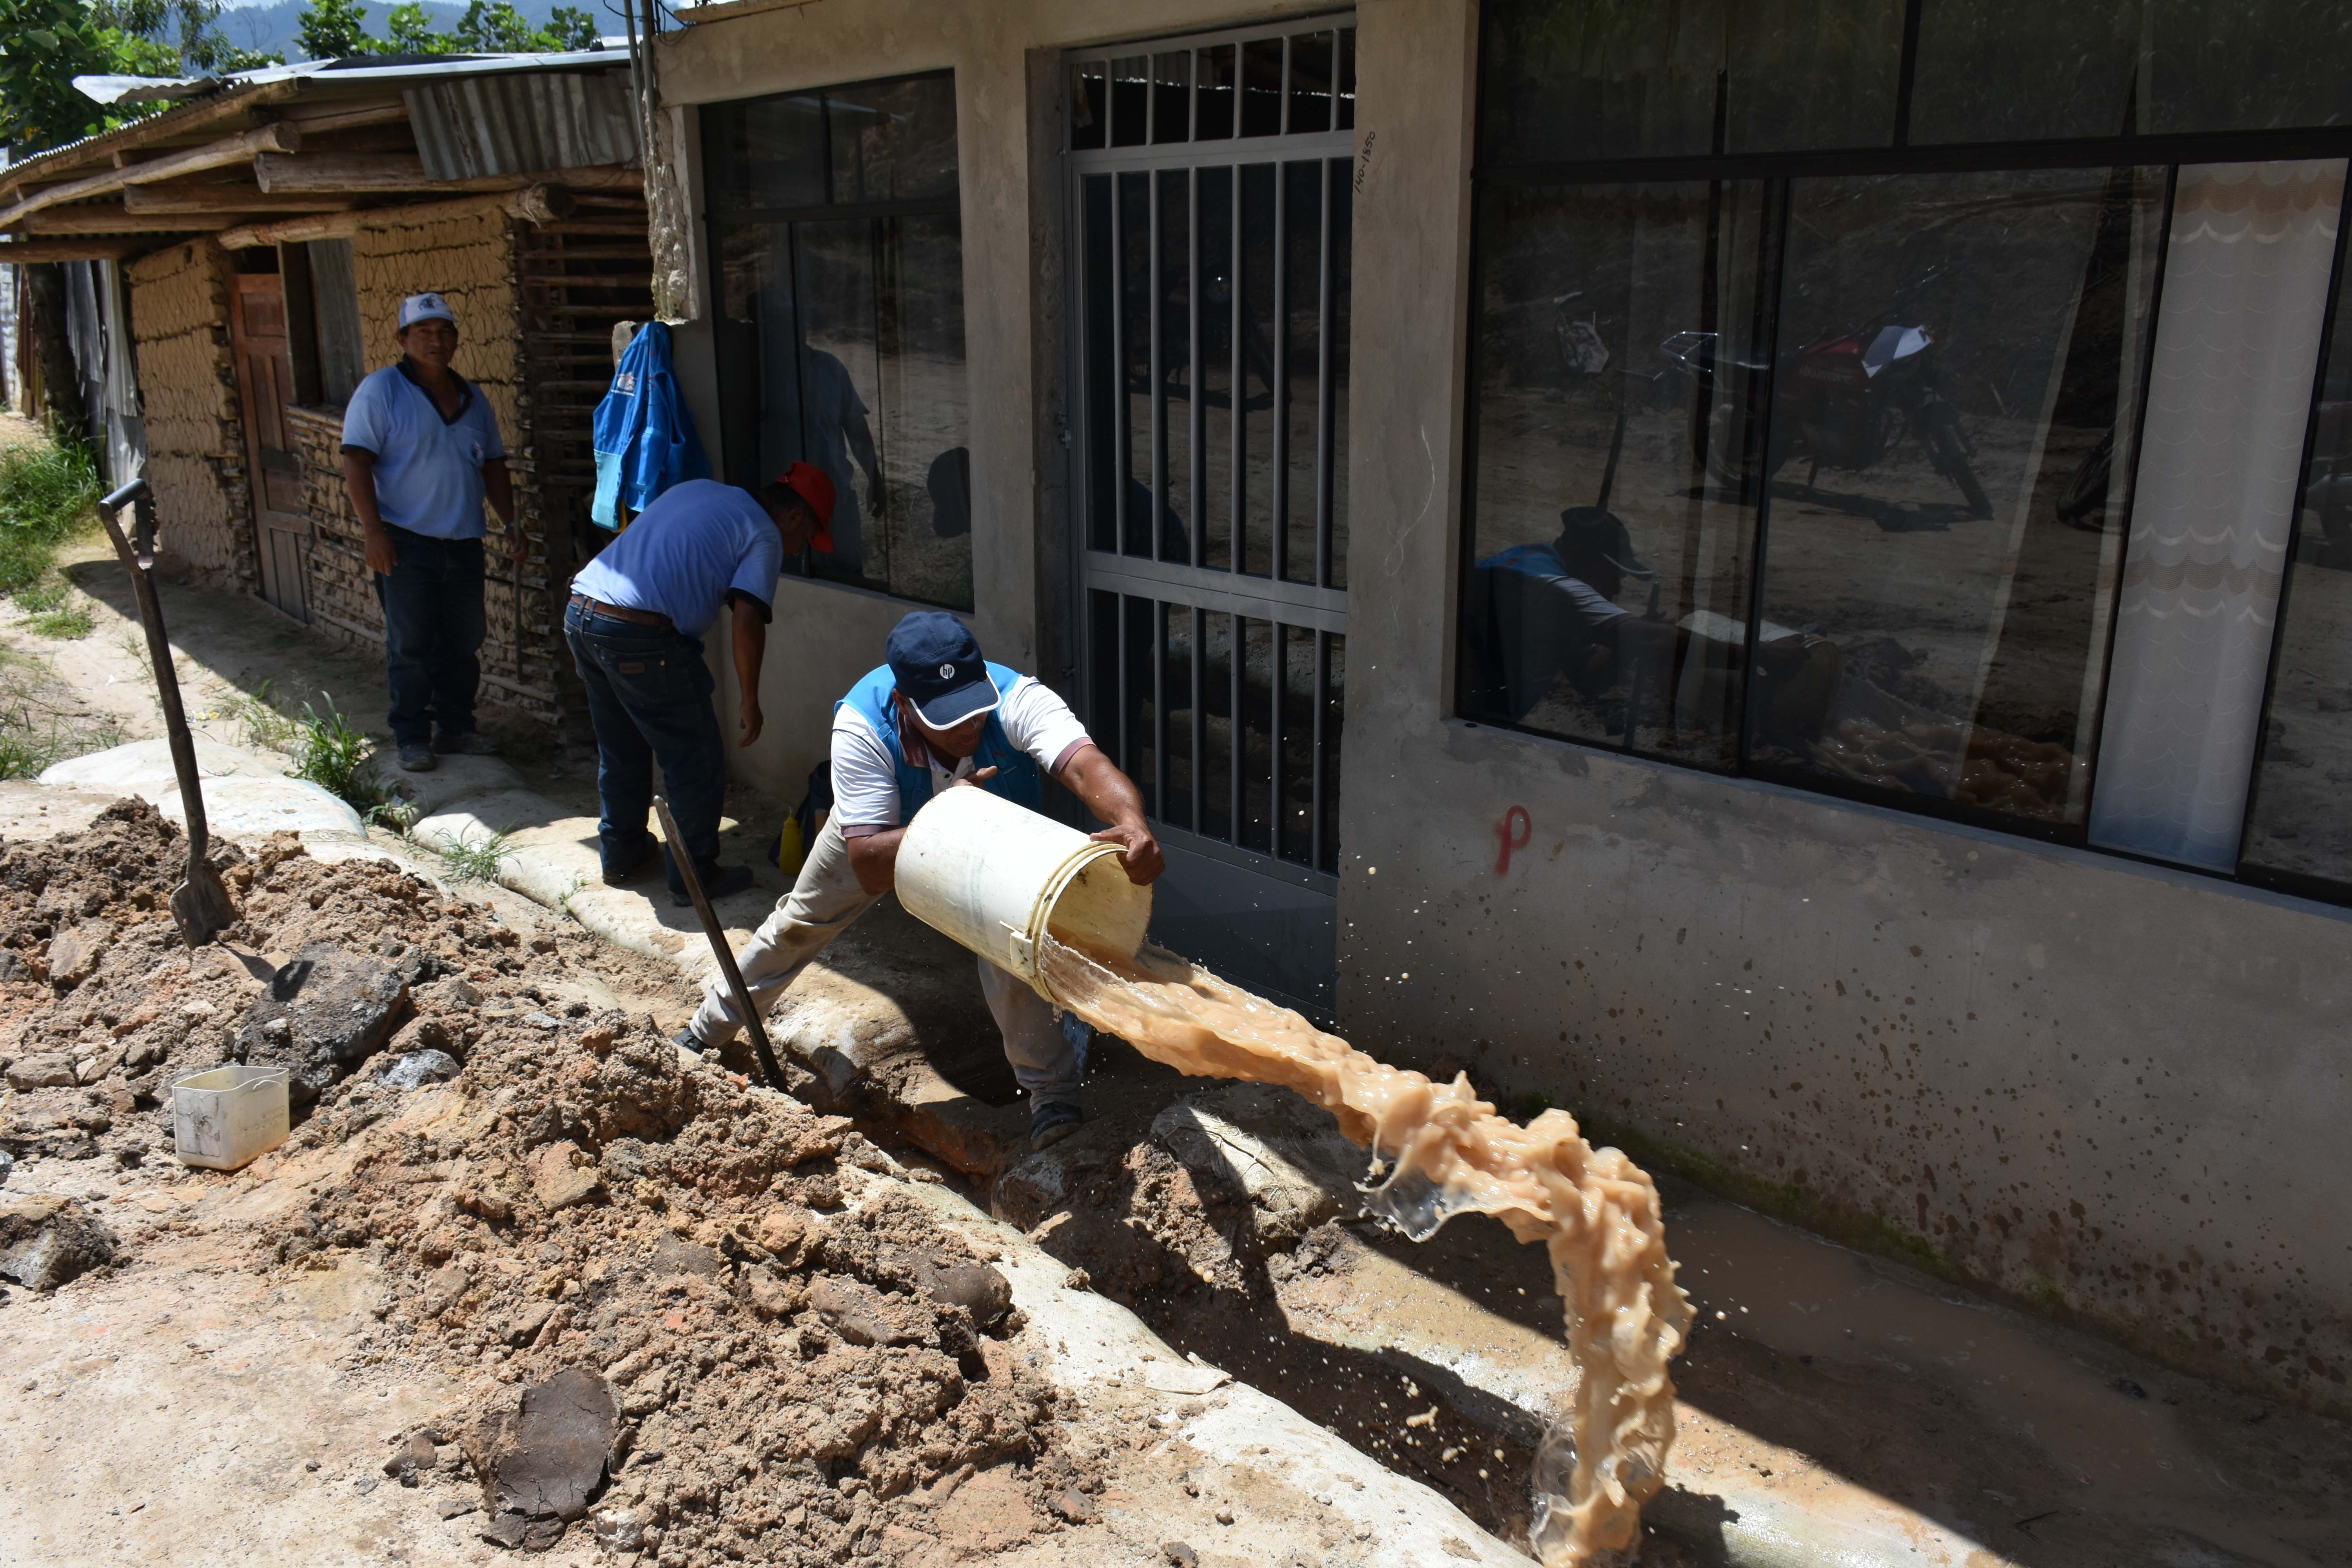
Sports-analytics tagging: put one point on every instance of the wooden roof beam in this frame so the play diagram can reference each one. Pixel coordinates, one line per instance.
(24, 251)
(533, 204)
(238, 197)
(261, 142)
(188, 118)
(115, 220)
(358, 174)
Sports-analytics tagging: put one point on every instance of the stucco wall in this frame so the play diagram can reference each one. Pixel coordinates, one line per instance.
(1008, 230)
(471, 261)
(2114, 1091)
(196, 438)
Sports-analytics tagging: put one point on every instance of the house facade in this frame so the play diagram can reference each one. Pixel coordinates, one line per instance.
(1775, 577)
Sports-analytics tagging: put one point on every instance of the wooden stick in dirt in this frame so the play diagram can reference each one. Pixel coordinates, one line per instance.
(684, 861)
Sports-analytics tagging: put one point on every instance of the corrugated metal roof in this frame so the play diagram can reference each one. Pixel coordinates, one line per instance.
(466, 127)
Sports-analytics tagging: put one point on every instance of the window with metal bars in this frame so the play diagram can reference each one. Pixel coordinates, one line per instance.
(1211, 216)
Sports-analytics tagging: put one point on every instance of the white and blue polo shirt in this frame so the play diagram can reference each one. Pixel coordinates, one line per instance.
(428, 469)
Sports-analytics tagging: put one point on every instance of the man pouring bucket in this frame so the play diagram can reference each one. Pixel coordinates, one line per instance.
(936, 715)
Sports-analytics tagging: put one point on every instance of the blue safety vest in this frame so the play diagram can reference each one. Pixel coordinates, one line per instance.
(1017, 777)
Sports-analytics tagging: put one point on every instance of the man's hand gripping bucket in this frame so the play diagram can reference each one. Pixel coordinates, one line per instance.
(998, 878)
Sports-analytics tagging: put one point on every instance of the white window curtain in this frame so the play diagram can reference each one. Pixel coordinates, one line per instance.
(2237, 340)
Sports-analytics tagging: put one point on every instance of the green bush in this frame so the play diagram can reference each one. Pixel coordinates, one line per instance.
(47, 492)
(335, 756)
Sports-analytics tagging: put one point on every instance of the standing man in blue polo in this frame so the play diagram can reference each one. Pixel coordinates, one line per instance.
(421, 452)
(938, 716)
(635, 623)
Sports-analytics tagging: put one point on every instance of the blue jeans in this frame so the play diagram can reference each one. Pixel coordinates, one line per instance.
(649, 698)
(433, 630)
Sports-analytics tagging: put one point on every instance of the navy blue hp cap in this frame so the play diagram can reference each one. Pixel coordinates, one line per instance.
(936, 663)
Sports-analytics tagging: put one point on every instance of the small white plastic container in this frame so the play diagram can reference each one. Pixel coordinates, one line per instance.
(226, 1117)
(997, 877)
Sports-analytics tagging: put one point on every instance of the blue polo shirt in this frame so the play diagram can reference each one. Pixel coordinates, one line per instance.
(697, 542)
(428, 469)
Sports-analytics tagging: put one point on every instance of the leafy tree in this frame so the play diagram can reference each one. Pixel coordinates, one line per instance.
(411, 26)
(570, 29)
(493, 29)
(332, 29)
(44, 44)
(182, 37)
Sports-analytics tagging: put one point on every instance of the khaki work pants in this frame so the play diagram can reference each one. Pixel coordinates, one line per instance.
(820, 906)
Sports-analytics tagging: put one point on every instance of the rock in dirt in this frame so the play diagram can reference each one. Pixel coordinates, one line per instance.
(978, 1288)
(7, 1164)
(326, 1011)
(561, 1175)
(74, 952)
(47, 1241)
(41, 1072)
(1267, 1147)
(420, 1067)
(546, 1459)
(865, 1316)
(675, 1255)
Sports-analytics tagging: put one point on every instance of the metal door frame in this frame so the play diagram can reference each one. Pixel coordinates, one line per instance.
(1306, 606)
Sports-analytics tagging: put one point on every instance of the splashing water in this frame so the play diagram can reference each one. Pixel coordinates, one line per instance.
(1444, 1152)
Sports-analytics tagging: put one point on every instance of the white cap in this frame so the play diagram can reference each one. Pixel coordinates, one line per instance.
(425, 308)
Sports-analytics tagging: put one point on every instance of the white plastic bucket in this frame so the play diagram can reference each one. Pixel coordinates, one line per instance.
(997, 877)
(227, 1116)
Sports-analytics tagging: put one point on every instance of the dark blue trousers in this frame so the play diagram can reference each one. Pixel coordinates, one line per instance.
(649, 698)
(433, 630)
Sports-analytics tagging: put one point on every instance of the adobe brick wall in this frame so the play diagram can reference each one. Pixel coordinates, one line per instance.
(196, 438)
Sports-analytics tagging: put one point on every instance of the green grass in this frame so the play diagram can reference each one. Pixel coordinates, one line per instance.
(476, 862)
(66, 623)
(47, 493)
(265, 728)
(333, 755)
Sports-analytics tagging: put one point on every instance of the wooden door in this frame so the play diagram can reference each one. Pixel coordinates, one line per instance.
(264, 385)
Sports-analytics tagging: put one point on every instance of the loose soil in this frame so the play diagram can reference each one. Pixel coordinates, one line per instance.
(802, 1366)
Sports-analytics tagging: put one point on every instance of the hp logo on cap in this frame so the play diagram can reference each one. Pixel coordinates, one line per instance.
(947, 672)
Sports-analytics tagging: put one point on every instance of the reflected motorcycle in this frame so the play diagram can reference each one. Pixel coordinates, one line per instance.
(1845, 400)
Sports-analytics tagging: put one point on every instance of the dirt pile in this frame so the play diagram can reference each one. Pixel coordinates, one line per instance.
(798, 1365)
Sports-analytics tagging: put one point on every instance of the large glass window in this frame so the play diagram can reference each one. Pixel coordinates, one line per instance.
(840, 295)
(1962, 479)
(1959, 368)
(1618, 465)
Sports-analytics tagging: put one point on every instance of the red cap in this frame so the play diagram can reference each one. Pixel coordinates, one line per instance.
(815, 485)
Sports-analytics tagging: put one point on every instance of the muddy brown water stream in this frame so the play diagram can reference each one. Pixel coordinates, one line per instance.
(1439, 1150)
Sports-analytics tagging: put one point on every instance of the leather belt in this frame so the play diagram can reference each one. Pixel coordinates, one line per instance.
(621, 612)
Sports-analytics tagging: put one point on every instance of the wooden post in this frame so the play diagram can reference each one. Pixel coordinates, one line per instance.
(262, 141)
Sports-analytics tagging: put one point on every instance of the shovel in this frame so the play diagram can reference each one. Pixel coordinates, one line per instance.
(725, 954)
(201, 906)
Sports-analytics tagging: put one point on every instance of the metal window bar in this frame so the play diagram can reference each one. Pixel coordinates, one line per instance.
(1195, 412)
(1156, 399)
(1325, 397)
(1321, 699)
(1115, 351)
(1200, 719)
(1279, 356)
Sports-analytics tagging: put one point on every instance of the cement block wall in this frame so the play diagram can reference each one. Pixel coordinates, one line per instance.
(471, 260)
(2109, 1090)
(196, 436)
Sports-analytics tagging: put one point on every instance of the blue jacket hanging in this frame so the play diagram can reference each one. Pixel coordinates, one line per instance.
(643, 432)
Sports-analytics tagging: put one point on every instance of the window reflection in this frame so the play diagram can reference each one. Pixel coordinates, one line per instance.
(1617, 78)
(1619, 335)
(842, 338)
(1960, 357)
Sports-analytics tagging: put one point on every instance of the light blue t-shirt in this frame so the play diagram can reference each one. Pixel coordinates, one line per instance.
(428, 470)
(697, 539)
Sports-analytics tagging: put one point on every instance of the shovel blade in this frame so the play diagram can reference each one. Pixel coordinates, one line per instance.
(201, 906)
